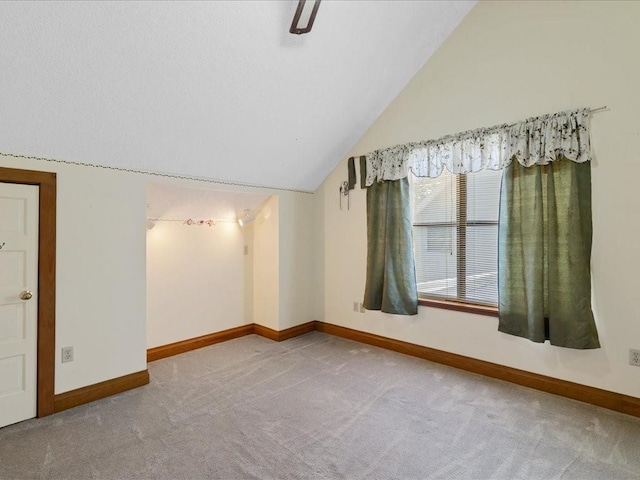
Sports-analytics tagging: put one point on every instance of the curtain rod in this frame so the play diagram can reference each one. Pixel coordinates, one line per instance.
(591, 110)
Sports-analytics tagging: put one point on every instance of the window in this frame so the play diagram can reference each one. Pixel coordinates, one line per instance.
(455, 233)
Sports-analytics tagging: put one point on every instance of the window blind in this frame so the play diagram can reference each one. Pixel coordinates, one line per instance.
(455, 227)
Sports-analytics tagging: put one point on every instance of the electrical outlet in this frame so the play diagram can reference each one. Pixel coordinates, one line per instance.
(67, 354)
(634, 357)
(356, 307)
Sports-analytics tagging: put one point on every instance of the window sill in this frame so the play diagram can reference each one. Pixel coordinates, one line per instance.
(459, 306)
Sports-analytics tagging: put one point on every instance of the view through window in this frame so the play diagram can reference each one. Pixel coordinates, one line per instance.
(455, 228)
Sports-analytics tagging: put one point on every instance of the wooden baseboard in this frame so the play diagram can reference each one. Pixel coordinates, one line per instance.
(265, 332)
(595, 396)
(296, 331)
(171, 349)
(286, 334)
(90, 393)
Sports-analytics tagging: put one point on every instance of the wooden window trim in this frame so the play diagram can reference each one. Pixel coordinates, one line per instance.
(459, 306)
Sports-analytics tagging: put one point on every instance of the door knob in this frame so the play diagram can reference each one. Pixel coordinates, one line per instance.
(26, 295)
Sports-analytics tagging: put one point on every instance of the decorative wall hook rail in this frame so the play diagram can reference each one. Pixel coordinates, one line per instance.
(344, 192)
(190, 221)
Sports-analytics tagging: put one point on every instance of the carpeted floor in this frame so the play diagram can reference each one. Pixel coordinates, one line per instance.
(319, 406)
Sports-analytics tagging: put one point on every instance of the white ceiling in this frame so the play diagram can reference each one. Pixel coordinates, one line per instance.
(171, 202)
(216, 89)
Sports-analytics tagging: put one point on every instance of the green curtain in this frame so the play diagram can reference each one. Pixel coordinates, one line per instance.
(544, 247)
(391, 275)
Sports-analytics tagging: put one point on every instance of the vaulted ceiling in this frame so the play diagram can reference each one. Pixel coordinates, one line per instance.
(215, 89)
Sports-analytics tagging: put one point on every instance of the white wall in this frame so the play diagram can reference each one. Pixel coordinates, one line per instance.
(195, 281)
(505, 62)
(296, 264)
(319, 252)
(266, 272)
(283, 261)
(100, 275)
(247, 230)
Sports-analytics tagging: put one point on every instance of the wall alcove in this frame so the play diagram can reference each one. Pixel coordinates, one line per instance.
(206, 249)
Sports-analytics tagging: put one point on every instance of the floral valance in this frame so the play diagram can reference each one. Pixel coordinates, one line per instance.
(535, 141)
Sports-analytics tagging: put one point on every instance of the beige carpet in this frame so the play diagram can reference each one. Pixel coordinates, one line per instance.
(318, 406)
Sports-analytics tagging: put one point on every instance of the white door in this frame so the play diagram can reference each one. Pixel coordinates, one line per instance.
(18, 312)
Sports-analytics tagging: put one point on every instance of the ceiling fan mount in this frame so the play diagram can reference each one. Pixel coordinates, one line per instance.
(304, 17)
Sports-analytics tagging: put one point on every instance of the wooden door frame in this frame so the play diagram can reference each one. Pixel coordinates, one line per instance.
(46, 279)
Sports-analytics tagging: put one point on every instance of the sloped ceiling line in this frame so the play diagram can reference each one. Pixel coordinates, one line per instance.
(157, 174)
